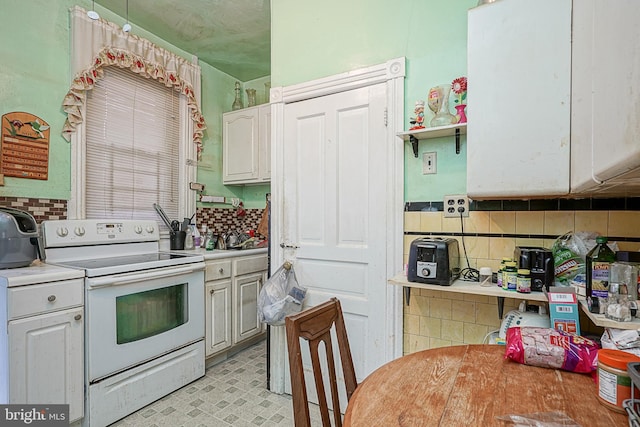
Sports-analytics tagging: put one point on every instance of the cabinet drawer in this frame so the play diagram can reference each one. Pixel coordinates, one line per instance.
(217, 270)
(249, 265)
(35, 299)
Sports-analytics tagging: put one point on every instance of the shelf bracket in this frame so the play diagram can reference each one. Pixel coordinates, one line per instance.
(457, 141)
(414, 145)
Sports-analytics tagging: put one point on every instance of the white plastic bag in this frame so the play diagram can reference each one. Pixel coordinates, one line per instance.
(280, 296)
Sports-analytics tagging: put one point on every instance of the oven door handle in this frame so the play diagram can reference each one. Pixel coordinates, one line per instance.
(133, 278)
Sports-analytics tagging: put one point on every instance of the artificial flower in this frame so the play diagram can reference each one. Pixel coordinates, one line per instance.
(459, 87)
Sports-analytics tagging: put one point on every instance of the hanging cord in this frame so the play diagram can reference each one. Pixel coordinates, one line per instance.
(469, 274)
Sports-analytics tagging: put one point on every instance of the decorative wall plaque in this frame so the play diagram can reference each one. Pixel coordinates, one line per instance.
(25, 146)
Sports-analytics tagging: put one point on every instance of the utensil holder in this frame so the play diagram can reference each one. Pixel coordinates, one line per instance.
(176, 240)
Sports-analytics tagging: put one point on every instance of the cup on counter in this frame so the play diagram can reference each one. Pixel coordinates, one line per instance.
(176, 240)
(485, 276)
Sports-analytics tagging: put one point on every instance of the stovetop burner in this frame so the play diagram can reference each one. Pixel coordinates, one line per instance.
(124, 264)
(108, 247)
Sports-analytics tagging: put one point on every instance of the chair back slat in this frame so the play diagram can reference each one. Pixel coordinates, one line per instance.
(314, 325)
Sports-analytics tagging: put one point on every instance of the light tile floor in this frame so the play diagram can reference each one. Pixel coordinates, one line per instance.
(232, 393)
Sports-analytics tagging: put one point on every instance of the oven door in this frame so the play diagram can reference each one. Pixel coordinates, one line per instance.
(135, 317)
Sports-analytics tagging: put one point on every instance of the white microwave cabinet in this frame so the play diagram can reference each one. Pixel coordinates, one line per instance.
(246, 146)
(232, 286)
(554, 89)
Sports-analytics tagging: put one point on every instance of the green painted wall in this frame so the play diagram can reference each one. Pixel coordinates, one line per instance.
(35, 76)
(335, 36)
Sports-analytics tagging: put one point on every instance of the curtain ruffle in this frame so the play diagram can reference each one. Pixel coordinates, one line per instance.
(100, 43)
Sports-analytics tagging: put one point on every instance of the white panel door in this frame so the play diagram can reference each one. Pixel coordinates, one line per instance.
(335, 193)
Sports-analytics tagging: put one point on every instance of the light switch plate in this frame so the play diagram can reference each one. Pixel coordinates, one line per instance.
(429, 163)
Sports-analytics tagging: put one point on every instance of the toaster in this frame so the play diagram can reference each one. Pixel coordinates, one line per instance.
(434, 260)
(18, 238)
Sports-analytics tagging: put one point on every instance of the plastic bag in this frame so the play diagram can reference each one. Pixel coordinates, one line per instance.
(551, 348)
(280, 296)
(569, 252)
(539, 419)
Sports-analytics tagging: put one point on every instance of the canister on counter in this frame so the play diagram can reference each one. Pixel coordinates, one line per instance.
(500, 274)
(510, 276)
(614, 384)
(523, 281)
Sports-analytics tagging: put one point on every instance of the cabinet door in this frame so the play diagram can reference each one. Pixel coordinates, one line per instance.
(519, 69)
(245, 293)
(47, 360)
(218, 316)
(265, 143)
(240, 145)
(616, 88)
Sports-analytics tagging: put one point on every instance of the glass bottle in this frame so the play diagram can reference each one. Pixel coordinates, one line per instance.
(267, 92)
(237, 103)
(210, 243)
(438, 102)
(598, 264)
(251, 97)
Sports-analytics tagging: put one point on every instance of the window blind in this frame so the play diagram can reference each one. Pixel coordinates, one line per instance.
(132, 148)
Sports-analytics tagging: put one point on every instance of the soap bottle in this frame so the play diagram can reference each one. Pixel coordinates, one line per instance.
(209, 242)
(197, 239)
(598, 264)
(188, 239)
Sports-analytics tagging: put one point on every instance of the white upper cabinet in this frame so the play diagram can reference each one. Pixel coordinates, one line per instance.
(519, 73)
(608, 162)
(246, 145)
(554, 90)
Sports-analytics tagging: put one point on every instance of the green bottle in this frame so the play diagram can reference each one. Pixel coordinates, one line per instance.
(598, 264)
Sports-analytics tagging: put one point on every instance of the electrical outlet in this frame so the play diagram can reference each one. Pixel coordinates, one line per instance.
(455, 205)
(428, 163)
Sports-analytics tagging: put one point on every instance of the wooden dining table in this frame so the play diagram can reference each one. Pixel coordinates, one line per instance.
(471, 385)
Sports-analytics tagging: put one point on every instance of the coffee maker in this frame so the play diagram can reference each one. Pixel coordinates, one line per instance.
(540, 262)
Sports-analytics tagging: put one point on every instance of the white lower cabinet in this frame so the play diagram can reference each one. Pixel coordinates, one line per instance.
(46, 338)
(245, 300)
(232, 286)
(218, 315)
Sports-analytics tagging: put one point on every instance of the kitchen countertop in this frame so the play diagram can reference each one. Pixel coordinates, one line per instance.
(37, 272)
(465, 287)
(219, 254)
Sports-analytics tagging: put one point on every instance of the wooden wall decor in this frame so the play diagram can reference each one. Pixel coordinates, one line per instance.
(25, 146)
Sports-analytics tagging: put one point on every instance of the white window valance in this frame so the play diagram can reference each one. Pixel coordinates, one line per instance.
(100, 43)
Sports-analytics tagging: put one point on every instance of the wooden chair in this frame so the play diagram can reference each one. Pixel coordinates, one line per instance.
(314, 325)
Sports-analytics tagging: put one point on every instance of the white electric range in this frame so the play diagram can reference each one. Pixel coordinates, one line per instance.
(144, 312)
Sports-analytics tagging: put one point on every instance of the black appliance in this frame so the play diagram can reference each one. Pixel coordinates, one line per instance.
(434, 260)
(540, 262)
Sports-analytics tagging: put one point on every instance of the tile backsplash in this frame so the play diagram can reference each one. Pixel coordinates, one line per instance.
(41, 209)
(492, 231)
(220, 220)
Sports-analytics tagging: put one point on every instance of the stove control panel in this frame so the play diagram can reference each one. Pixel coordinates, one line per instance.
(83, 232)
(112, 228)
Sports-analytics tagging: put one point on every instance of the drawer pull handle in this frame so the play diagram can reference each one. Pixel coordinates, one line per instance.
(51, 298)
(77, 316)
(221, 270)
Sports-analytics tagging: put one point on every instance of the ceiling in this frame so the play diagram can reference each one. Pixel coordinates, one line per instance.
(233, 36)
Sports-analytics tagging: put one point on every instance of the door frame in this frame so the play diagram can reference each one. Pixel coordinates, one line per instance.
(391, 73)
